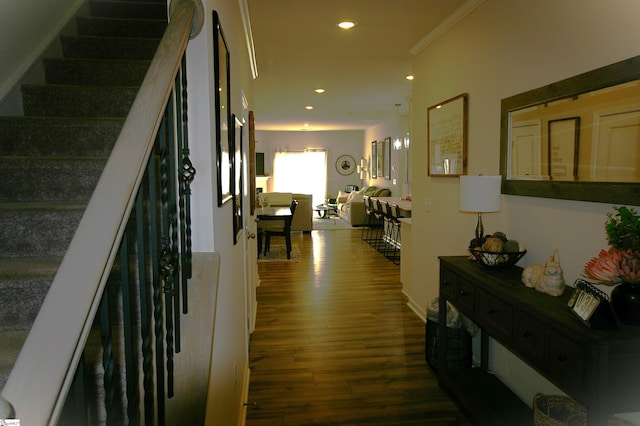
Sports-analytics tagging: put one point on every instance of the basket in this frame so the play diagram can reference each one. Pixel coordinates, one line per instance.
(493, 260)
(557, 410)
(458, 347)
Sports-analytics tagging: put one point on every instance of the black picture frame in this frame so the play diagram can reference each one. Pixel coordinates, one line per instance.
(374, 160)
(387, 158)
(237, 166)
(564, 143)
(222, 112)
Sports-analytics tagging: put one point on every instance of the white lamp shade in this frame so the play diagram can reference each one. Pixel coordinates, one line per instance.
(480, 193)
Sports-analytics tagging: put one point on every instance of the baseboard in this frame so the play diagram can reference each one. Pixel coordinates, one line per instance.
(415, 307)
(244, 400)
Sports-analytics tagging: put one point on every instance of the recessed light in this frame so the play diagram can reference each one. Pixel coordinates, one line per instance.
(319, 90)
(347, 25)
(309, 107)
(409, 77)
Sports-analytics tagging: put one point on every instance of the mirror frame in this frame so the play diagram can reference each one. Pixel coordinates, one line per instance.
(601, 192)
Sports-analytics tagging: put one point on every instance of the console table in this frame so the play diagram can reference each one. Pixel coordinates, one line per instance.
(599, 368)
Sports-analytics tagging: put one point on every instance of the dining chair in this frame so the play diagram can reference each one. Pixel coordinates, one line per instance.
(280, 228)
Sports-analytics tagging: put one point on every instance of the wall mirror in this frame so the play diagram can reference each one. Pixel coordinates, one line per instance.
(576, 139)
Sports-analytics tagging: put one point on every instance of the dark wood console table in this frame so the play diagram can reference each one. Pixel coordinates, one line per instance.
(599, 368)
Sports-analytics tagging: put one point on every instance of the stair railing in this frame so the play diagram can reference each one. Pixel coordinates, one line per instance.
(138, 220)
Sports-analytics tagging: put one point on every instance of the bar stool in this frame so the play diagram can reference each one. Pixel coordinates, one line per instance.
(396, 224)
(388, 228)
(367, 230)
(377, 240)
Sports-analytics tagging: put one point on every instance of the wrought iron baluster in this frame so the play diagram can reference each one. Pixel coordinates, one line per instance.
(145, 313)
(172, 205)
(154, 236)
(107, 357)
(131, 366)
(166, 260)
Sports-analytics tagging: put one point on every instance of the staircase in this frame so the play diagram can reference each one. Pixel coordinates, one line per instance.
(51, 158)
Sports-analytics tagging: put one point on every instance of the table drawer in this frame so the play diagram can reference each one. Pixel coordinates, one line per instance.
(466, 291)
(529, 337)
(448, 284)
(494, 314)
(566, 363)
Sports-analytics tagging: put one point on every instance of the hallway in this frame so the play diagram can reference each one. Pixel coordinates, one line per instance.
(335, 342)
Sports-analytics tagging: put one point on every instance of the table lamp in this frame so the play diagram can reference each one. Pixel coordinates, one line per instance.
(480, 194)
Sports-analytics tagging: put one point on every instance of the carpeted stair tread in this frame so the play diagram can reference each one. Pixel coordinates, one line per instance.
(58, 136)
(95, 72)
(129, 9)
(37, 229)
(77, 101)
(109, 47)
(12, 342)
(120, 27)
(29, 179)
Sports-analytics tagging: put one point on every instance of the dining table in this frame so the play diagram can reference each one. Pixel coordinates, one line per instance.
(282, 213)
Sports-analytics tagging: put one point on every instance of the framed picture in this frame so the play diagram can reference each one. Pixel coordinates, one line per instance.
(345, 165)
(564, 138)
(237, 166)
(374, 160)
(379, 158)
(222, 114)
(447, 137)
(387, 158)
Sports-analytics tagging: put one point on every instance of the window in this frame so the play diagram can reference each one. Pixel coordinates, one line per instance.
(303, 172)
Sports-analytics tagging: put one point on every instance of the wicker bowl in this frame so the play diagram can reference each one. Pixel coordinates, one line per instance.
(497, 260)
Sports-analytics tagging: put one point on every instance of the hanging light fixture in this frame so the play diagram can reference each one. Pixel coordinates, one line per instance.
(397, 142)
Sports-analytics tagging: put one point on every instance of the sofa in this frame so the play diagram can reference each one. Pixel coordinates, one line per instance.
(303, 217)
(351, 205)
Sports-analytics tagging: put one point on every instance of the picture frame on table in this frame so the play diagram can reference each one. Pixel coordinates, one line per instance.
(222, 113)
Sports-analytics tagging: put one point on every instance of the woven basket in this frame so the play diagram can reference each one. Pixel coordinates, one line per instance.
(557, 410)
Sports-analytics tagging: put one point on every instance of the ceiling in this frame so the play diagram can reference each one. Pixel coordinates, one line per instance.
(299, 48)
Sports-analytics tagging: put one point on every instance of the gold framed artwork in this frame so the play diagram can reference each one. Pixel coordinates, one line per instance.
(447, 137)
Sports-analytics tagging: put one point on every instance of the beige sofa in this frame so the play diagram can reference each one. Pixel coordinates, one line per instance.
(351, 205)
(303, 217)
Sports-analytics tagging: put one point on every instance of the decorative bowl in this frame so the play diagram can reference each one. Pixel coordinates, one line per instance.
(493, 260)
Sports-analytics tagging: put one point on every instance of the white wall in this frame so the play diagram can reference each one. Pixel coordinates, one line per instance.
(212, 224)
(503, 48)
(337, 143)
(27, 28)
(388, 129)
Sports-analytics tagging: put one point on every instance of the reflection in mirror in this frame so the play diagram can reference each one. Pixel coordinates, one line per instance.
(593, 136)
(576, 139)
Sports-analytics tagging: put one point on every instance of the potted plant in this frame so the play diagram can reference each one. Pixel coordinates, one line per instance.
(620, 265)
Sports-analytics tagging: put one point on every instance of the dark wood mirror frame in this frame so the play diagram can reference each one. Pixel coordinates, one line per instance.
(603, 192)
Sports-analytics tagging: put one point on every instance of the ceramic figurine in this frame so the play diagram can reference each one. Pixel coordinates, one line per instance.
(545, 279)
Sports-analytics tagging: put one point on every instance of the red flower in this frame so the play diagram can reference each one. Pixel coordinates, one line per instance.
(614, 266)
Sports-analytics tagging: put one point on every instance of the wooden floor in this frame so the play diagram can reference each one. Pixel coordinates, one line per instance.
(336, 344)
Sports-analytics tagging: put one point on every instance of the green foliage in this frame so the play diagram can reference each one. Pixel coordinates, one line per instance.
(623, 229)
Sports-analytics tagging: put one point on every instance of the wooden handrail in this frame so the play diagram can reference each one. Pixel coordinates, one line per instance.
(42, 376)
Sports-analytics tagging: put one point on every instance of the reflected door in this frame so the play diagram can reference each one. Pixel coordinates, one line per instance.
(617, 150)
(526, 150)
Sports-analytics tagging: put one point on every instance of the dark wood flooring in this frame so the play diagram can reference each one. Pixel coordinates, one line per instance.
(336, 344)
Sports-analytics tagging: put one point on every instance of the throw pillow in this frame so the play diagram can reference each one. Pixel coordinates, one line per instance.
(342, 197)
(383, 192)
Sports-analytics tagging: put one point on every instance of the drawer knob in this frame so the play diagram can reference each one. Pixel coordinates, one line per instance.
(527, 333)
(491, 311)
(445, 282)
(561, 358)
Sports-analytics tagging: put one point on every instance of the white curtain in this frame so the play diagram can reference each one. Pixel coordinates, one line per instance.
(302, 172)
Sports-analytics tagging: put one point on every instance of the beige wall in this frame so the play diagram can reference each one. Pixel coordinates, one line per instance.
(502, 48)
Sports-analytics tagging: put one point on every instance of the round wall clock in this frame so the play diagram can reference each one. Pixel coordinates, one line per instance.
(345, 165)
